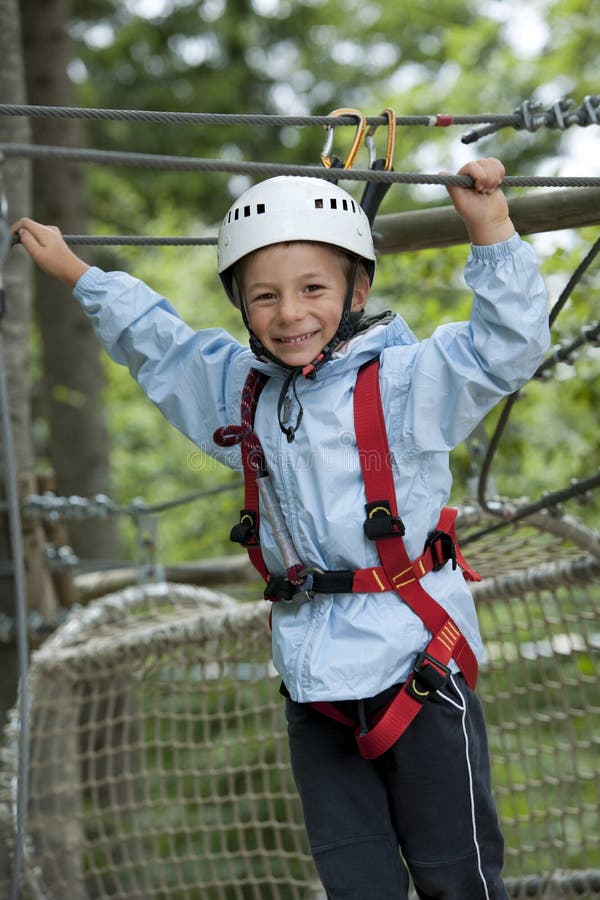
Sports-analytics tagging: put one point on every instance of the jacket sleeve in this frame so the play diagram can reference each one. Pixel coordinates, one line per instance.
(453, 378)
(193, 377)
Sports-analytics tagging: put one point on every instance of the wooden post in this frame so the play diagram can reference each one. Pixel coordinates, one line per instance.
(57, 534)
(441, 226)
(40, 591)
(55, 817)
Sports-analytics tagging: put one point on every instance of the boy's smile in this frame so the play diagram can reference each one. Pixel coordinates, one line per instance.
(294, 295)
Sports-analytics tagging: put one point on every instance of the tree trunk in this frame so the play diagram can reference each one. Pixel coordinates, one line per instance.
(15, 332)
(74, 382)
(16, 328)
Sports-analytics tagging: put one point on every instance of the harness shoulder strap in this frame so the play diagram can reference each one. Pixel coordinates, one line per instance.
(447, 642)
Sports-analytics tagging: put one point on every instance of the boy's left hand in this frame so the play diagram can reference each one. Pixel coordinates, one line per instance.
(483, 208)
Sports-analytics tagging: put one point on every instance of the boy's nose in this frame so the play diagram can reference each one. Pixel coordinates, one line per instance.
(290, 307)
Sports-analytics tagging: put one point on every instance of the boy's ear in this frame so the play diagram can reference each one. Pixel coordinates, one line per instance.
(361, 292)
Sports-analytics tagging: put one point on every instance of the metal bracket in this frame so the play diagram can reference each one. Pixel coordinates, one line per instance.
(532, 114)
(591, 106)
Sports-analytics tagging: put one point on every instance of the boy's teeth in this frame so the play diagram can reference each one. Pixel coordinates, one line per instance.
(296, 340)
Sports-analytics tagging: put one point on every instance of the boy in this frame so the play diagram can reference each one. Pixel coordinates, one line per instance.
(296, 257)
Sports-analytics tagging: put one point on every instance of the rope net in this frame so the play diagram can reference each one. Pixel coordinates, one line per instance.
(158, 754)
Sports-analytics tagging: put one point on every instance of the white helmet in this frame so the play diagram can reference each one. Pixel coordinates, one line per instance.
(292, 208)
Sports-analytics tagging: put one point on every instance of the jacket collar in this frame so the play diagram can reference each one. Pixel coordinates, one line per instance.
(374, 333)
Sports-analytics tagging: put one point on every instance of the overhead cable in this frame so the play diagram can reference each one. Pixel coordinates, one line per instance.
(530, 115)
(137, 115)
(265, 169)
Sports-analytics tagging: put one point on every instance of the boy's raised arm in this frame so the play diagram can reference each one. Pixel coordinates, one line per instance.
(46, 246)
(483, 208)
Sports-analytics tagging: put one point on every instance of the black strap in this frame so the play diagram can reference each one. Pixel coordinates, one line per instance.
(374, 193)
(336, 581)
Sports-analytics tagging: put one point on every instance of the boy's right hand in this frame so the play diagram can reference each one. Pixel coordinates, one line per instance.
(46, 246)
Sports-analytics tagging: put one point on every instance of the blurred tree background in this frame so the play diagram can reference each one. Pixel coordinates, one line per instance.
(91, 425)
(307, 58)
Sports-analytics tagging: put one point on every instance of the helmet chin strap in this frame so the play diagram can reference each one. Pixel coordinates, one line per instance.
(345, 330)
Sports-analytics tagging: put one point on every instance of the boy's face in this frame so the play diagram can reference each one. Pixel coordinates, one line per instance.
(294, 295)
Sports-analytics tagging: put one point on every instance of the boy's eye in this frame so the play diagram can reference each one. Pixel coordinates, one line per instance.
(262, 298)
(311, 288)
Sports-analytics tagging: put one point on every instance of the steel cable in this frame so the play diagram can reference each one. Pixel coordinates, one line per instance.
(165, 117)
(265, 169)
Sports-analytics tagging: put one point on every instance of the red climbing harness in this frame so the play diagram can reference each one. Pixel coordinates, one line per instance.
(396, 572)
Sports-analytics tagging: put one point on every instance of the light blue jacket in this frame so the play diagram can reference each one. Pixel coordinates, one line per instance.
(434, 393)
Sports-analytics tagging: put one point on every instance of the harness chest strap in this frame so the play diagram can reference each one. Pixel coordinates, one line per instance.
(374, 579)
(397, 571)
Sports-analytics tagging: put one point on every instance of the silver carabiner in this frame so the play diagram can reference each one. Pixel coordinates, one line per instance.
(391, 140)
(358, 136)
(306, 593)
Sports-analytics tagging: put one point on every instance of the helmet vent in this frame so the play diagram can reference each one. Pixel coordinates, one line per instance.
(236, 213)
(333, 204)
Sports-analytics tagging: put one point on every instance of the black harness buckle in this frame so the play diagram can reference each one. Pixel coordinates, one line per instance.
(442, 549)
(429, 675)
(245, 532)
(281, 589)
(380, 523)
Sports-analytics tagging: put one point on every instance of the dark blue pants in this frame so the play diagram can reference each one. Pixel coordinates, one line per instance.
(428, 797)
